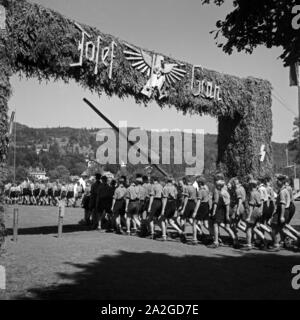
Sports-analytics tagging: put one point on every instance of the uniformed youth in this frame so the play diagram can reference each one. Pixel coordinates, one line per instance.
(132, 207)
(189, 204)
(254, 215)
(118, 205)
(282, 213)
(169, 208)
(221, 212)
(201, 212)
(155, 204)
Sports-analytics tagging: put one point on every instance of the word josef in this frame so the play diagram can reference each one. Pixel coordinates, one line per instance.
(92, 52)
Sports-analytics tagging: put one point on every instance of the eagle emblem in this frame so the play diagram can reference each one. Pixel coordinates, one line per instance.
(155, 68)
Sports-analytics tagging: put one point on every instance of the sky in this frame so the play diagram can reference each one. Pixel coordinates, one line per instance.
(173, 27)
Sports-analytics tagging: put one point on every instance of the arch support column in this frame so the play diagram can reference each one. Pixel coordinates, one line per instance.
(242, 136)
(5, 91)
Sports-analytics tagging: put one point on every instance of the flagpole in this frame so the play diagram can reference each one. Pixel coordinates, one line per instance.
(15, 146)
(298, 122)
(299, 112)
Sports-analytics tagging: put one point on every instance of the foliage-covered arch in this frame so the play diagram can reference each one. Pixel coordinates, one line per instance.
(42, 43)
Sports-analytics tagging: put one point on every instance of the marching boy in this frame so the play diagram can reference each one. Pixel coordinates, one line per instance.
(155, 204)
(220, 212)
(253, 215)
(132, 207)
(282, 213)
(189, 204)
(201, 212)
(169, 208)
(118, 205)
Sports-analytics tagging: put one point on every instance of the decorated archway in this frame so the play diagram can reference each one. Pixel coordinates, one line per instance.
(42, 43)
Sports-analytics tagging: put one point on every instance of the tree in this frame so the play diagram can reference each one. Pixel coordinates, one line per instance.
(60, 172)
(21, 174)
(78, 169)
(293, 144)
(259, 22)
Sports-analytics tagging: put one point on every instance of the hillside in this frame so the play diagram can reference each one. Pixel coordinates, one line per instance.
(70, 147)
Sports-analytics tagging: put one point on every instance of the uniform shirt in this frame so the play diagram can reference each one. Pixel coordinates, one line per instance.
(24, 185)
(241, 193)
(271, 193)
(190, 192)
(263, 193)
(221, 193)
(203, 194)
(290, 190)
(131, 192)
(147, 188)
(42, 186)
(255, 198)
(284, 197)
(141, 192)
(156, 190)
(196, 186)
(169, 191)
(120, 193)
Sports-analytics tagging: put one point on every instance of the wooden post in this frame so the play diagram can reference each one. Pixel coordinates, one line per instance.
(61, 213)
(15, 224)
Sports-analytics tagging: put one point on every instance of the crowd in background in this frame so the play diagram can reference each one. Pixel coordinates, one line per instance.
(44, 193)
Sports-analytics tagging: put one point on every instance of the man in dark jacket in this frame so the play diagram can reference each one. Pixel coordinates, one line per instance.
(93, 200)
(103, 201)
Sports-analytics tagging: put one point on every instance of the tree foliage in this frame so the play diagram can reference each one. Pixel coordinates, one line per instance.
(258, 22)
(293, 144)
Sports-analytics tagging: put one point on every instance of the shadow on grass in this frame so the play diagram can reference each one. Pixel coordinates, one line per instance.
(149, 275)
(68, 228)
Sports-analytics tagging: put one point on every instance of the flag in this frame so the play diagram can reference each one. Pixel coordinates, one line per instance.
(294, 74)
(11, 124)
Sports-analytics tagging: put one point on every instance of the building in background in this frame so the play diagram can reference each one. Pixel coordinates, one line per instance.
(37, 173)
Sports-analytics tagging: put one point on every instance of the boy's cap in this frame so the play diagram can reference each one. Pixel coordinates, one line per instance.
(220, 182)
(281, 177)
(201, 180)
(253, 181)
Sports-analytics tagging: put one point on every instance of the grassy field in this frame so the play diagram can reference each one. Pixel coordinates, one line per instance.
(94, 265)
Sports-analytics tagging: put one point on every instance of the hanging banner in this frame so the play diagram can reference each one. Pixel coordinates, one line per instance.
(294, 74)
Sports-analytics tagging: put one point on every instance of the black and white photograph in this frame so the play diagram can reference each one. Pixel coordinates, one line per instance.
(149, 151)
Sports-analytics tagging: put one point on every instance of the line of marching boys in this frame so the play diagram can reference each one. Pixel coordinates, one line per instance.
(43, 193)
(140, 205)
